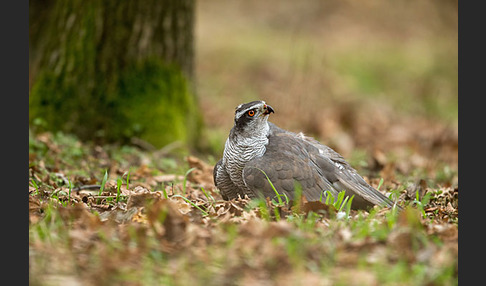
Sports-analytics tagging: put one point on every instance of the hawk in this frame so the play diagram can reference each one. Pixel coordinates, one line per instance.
(257, 149)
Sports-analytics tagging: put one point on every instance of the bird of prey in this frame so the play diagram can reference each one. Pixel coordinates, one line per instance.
(257, 151)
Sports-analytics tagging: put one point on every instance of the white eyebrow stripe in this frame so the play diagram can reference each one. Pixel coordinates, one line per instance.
(240, 113)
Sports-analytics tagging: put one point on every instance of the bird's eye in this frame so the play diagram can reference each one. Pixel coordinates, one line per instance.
(251, 113)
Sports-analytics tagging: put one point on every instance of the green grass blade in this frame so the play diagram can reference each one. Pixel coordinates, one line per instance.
(118, 185)
(165, 192)
(128, 179)
(379, 184)
(277, 214)
(348, 206)
(278, 195)
(70, 190)
(34, 184)
(185, 180)
(329, 197)
(208, 196)
(103, 182)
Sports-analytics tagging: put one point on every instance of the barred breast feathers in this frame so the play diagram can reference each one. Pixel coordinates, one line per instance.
(240, 150)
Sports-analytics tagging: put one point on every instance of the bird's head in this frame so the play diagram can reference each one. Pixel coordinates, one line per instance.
(251, 118)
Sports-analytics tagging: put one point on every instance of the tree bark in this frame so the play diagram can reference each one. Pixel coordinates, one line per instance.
(114, 69)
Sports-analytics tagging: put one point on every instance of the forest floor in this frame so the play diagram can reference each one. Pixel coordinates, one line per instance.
(159, 220)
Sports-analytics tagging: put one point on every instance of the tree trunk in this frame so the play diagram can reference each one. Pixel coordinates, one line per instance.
(113, 69)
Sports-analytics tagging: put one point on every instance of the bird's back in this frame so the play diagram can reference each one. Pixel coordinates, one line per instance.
(292, 157)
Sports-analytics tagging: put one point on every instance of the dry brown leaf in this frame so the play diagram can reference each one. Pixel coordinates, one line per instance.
(181, 205)
(202, 174)
(280, 228)
(164, 216)
(119, 215)
(141, 199)
(316, 206)
(447, 232)
(35, 210)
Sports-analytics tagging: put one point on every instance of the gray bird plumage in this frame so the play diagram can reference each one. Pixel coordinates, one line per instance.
(255, 145)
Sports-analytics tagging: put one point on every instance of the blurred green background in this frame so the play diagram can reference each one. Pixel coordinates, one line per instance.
(355, 74)
(346, 72)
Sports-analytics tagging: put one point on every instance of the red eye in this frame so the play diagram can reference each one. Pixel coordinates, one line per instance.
(251, 112)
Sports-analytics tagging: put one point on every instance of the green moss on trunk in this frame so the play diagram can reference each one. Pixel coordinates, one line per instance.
(156, 103)
(151, 100)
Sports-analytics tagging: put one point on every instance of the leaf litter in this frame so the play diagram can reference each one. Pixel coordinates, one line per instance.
(170, 227)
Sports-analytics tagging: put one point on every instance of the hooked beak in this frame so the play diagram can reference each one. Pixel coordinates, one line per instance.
(267, 109)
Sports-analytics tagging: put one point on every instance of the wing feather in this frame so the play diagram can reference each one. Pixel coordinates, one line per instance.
(285, 162)
(292, 157)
